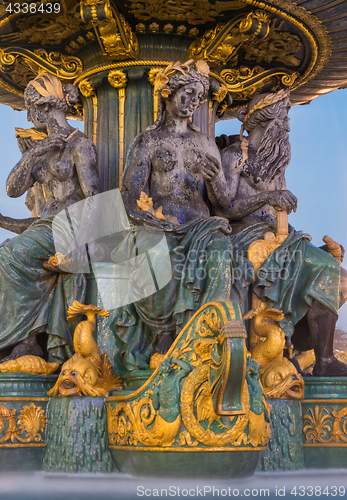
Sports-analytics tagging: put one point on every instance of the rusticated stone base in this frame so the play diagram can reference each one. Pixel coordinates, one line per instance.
(77, 436)
(284, 451)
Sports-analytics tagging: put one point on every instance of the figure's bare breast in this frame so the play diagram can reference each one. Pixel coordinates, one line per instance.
(60, 184)
(176, 181)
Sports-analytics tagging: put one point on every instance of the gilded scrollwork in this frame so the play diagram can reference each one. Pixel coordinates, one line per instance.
(322, 425)
(190, 11)
(113, 34)
(279, 46)
(179, 406)
(317, 425)
(221, 44)
(45, 29)
(23, 64)
(31, 420)
(246, 83)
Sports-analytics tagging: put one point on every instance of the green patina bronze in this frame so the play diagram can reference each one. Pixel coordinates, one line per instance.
(284, 450)
(77, 436)
(324, 418)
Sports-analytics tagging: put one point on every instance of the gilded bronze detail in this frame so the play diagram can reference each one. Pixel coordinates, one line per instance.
(44, 29)
(87, 372)
(259, 250)
(87, 90)
(190, 11)
(26, 63)
(341, 356)
(245, 83)
(180, 406)
(113, 32)
(29, 364)
(277, 46)
(221, 44)
(313, 30)
(322, 426)
(118, 79)
(151, 78)
(278, 376)
(31, 420)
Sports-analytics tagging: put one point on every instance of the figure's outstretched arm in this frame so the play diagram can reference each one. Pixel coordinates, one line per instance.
(17, 226)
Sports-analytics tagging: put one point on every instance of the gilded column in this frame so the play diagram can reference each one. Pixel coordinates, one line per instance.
(118, 79)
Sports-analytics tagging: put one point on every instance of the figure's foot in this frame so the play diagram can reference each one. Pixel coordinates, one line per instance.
(330, 368)
(27, 347)
(165, 343)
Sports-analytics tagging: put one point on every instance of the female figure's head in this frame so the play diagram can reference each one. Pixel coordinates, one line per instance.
(181, 89)
(45, 96)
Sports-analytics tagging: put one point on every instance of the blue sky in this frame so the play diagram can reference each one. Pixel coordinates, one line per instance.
(317, 174)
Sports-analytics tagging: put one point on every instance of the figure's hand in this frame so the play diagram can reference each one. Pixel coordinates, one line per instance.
(282, 200)
(210, 167)
(50, 142)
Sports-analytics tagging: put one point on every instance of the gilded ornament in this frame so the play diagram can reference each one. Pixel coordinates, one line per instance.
(221, 94)
(311, 28)
(29, 364)
(317, 425)
(145, 203)
(30, 133)
(117, 78)
(321, 426)
(181, 29)
(152, 75)
(279, 46)
(24, 64)
(339, 431)
(118, 40)
(221, 45)
(24, 71)
(168, 28)
(45, 29)
(341, 356)
(86, 372)
(333, 248)
(194, 32)
(259, 250)
(190, 11)
(154, 27)
(175, 408)
(278, 376)
(86, 89)
(32, 420)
